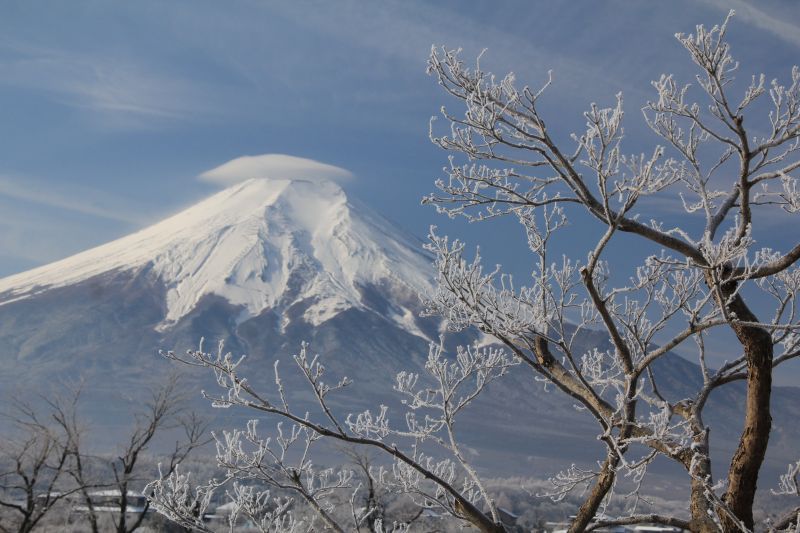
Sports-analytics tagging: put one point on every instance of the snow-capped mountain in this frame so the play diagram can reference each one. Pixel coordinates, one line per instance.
(261, 244)
(263, 266)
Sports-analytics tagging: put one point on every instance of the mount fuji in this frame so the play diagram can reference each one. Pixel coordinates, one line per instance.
(263, 266)
(259, 245)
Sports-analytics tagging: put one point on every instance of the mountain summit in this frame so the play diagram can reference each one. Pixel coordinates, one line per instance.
(260, 244)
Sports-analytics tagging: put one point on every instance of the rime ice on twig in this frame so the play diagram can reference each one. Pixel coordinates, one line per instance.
(693, 285)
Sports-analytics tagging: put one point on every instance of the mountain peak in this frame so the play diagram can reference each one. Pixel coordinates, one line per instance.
(260, 244)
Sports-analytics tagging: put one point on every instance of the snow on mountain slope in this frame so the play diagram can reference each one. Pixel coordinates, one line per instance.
(260, 244)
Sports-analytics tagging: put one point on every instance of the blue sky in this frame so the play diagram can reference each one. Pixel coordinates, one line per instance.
(109, 111)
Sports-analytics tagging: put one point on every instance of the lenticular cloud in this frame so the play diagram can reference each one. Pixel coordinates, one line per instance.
(274, 166)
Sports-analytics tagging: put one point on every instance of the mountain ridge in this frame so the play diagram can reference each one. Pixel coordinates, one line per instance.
(259, 244)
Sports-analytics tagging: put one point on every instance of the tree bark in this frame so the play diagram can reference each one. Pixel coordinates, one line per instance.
(477, 519)
(700, 471)
(788, 520)
(588, 509)
(746, 463)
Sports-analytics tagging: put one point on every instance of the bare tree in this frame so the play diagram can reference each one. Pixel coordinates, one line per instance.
(370, 489)
(34, 469)
(371, 499)
(725, 174)
(698, 283)
(165, 410)
(64, 411)
(48, 463)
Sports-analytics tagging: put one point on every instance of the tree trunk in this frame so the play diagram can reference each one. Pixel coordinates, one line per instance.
(746, 462)
(700, 471)
(90, 511)
(122, 525)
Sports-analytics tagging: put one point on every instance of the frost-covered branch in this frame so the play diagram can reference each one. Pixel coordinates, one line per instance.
(413, 472)
(694, 286)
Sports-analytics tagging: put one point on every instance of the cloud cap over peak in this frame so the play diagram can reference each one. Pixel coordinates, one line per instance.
(274, 166)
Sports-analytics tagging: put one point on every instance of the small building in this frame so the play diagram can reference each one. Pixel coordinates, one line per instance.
(563, 527)
(109, 501)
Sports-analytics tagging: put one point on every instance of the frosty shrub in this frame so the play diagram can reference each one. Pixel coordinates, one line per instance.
(729, 170)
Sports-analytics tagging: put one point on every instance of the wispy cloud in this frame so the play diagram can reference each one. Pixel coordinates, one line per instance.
(408, 29)
(273, 166)
(100, 83)
(75, 199)
(33, 236)
(776, 24)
